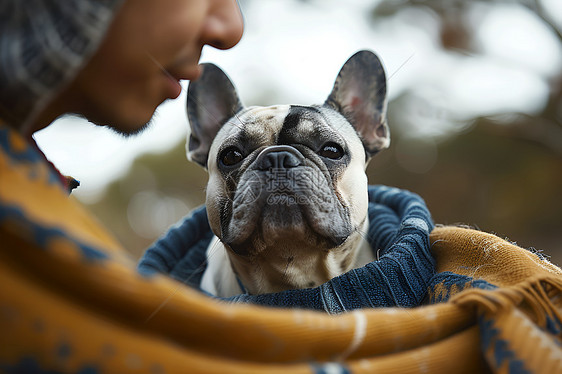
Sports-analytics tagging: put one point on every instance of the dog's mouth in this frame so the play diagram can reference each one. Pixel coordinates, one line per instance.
(285, 217)
(282, 204)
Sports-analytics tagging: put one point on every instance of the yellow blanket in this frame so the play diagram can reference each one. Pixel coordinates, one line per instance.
(71, 300)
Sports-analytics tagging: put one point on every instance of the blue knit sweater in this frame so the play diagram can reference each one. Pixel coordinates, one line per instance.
(399, 229)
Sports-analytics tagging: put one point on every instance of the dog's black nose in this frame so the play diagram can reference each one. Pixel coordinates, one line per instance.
(280, 157)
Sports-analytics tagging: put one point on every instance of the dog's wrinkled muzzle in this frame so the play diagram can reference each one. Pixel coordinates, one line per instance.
(283, 194)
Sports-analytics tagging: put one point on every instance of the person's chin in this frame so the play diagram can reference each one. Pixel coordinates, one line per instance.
(129, 127)
(129, 130)
(133, 117)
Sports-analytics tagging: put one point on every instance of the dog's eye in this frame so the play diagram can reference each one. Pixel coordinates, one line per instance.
(231, 156)
(331, 151)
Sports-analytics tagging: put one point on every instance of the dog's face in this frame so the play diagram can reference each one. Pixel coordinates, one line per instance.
(287, 191)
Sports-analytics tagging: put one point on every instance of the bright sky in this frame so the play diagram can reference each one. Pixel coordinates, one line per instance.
(291, 53)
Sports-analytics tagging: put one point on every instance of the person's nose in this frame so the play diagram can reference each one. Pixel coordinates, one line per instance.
(224, 25)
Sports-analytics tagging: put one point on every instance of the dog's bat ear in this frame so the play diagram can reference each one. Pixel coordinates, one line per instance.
(359, 94)
(211, 101)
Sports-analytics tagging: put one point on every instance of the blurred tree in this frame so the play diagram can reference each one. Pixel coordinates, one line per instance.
(505, 174)
(157, 191)
(485, 180)
(457, 34)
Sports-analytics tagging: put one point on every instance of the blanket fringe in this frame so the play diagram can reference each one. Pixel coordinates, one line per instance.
(539, 298)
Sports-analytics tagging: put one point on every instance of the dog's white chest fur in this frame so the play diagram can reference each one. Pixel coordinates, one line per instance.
(219, 278)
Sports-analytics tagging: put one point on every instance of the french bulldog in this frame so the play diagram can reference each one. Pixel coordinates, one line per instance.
(287, 190)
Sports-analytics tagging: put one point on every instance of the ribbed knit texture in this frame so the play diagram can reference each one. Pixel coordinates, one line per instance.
(399, 231)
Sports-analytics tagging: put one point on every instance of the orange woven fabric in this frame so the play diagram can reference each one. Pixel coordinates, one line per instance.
(71, 300)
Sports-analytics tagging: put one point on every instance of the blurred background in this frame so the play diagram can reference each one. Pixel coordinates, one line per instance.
(475, 113)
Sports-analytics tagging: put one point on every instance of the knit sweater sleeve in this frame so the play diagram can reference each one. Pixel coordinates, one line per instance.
(181, 252)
